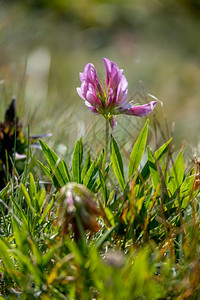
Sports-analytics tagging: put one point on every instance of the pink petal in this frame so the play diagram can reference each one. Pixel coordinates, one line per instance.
(142, 110)
(83, 90)
(126, 106)
(113, 122)
(121, 94)
(81, 77)
(107, 63)
(115, 78)
(92, 98)
(123, 83)
(112, 71)
(79, 91)
(91, 108)
(87, 66)
(109, 102)
(91, 73)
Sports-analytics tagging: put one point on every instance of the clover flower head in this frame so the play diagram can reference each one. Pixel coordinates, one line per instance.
(109, 100)
(76, 201)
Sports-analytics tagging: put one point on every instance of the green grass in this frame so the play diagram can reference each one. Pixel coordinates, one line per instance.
(141, 243)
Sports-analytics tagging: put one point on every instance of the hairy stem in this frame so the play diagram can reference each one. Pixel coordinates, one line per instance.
(106, 145)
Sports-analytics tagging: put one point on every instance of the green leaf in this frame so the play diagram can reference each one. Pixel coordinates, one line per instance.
(138, 150)
(76, 251)
(98, 182)
(20, 211)
(48, 172)
(117, 163)
(66, 171)
(153, 169)
(4, 191)
(26, 261)
(162, 150)
(20, 235)
(81, 150)
(7, 261)
(177, 174)
(144, 175)
(94, 167)
(17, 232)
(33, 193)
(56, 165)
(37, 254)
(49, 255)
(27, 197)
(77, 161)
(160, 153)
(186, 190)
(47, 209)
(104, 237)
(41, 199)
(32, 186)
(86, 166)
(110, 216)
(103, 187)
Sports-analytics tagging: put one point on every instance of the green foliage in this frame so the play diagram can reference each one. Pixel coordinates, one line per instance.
(143, 245)
(138, 150)
(177, 173)
(77, 161)
(117, 163)
(58, 172)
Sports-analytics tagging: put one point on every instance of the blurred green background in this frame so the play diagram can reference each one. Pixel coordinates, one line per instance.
(45, 44)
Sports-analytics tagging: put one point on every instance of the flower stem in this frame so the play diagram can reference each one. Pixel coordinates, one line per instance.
(106, 145)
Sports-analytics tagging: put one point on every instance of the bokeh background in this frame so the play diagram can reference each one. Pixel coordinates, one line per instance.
(45, 44)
